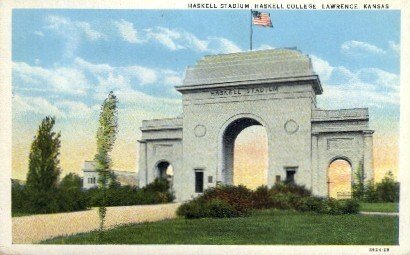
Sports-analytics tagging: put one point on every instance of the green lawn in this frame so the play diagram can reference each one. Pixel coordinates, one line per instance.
(263, 227)
(379, 207)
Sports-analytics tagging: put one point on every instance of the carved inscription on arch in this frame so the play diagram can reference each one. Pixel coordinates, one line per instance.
(258, 90)
(339, 143)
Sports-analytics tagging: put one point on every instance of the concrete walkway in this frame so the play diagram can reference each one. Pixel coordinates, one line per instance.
(34, 228)
(381, 213)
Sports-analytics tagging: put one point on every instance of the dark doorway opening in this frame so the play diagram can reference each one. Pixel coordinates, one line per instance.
(290, 175)
(199, 181)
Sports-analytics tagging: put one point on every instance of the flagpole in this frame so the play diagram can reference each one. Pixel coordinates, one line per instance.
(250, 41)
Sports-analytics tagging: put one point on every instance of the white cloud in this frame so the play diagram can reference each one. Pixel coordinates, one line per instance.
(94, 68)
(379, 78)
(166, 37)
(123, 76)
(127, 31)
(394, 46)
(194, 43)
(37, 105)
(112, 81)
(130, 96)
(72, 32)
(353, 47)
(172, 77)
(39, 33)
(344, 88)
(222, 45)
(76, 109)
(66, 109)
(56, 22)
(321, 67)
(60, 79)
(265, 47)
(95, 81)
(175, 39)
(90, 33)
(144, 74)
(64, 27)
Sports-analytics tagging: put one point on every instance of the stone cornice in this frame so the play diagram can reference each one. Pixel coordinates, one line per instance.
(320, 115)
(368, 132)
(159, 128)
(159, 139)
(318, 132)
(277, 81)
(162, 124)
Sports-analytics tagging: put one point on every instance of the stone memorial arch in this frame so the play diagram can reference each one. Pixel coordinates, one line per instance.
(224, 94)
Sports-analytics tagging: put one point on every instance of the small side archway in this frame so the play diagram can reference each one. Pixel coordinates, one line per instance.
(339, 178)
(165, 170)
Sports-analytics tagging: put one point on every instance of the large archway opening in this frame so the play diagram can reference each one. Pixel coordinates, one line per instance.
(339, 179)
(166, 171)
(245, 153)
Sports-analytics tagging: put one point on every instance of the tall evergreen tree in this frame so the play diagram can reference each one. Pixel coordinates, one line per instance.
(44, 161)
(106, 136)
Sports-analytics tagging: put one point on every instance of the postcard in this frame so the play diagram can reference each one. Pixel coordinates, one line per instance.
(204, 127)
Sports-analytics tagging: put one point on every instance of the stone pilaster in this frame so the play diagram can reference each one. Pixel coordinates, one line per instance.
(368, 155)
(142, 164)
(314, 167)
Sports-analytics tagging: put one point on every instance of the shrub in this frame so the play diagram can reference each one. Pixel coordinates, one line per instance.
(261, 199)
(370, 194)
(239, 197)
(159, 184)
(235, 201)
(154, 193)
(219, 202)
(388, 190)
(314, 204)
(220, 209)
(283, 196)
(201, 208)
(290, 188)
(194, 209)
(351, 206)
(283, 200)
(70, 200)
(358, 186)
(71, 196)
(332, 206)
(18, 197)
(42, 202)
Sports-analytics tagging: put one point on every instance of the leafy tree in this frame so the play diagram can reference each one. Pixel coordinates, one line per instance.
(44, 161)
(358, 187)
(388, 189)
(71, 181)
(113, 183)
(106, 136)
(44, 169)
(18, 196)
(71, 195)
(370, 194)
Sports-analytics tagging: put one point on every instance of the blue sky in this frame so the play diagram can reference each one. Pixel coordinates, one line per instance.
(66, 61)
(166, 39)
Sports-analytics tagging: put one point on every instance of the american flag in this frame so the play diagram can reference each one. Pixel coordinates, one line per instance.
(261, 19)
